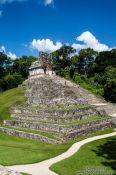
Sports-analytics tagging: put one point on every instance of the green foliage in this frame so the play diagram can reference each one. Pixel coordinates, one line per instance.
(86, 58)
(13, 73)
(74, 60)
(11, 81)
(66, 72)
(110, 85)
(92, 70)
(77, 78)
(105, 59)
(5, 62)
(88, 84)
(22, 65)
(61, 58)
(87, 55)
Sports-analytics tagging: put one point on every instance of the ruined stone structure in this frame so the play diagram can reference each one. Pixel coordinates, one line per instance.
(42, 66)
(55, 111)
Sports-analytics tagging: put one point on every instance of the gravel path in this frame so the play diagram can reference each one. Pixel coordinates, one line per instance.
(42, 168)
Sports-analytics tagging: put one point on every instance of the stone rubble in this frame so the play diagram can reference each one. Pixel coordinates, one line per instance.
(5, 171)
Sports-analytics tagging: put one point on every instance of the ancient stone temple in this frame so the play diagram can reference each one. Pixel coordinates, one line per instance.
(56, 110)
(42, 66)
(44, 88)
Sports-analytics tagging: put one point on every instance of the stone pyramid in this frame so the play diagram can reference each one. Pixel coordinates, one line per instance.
(56, 110)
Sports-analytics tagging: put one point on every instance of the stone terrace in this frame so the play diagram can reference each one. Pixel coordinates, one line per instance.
(55, 111)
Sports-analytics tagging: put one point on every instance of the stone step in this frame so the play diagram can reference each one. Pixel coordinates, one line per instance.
(82, 129)
(28, 134)
(64, 128)
(56, 136)
(86, 131)
(59, 112)
(51, 118)
(37, 101)
(51, 103)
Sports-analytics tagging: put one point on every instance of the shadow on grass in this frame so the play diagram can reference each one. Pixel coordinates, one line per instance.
(108, 152)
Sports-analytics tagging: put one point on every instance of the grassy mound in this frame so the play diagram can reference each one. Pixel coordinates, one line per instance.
(8, 99)
(97, 157)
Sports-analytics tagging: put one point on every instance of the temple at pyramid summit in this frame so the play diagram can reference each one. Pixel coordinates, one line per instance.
(56, 110)
(44, 88)
(42, 66)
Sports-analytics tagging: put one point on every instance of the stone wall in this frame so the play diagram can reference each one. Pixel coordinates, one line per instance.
(50, 93)
(58, 127)
(114, 122)
(64, 112)
(55, 119)
(70, 132)
(57, 116)
(27, 135)
(88, 130)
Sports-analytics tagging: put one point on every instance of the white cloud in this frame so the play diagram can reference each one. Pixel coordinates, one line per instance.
(10, 1)
(1, 12)
(9, 54)
(48, 2)
(89, 41)
(12, 55)
(45, 45)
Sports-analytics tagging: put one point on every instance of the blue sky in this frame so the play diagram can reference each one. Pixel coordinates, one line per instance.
(26, 24)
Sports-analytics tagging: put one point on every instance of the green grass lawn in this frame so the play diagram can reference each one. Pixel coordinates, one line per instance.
(15, 150)
(8, 99)
(95, 158)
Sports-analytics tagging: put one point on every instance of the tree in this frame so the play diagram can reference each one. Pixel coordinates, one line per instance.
(110, 85)
(5, 62)
(66, 72)
(86, 59)
(62, 57)
(74, 60)
(22, 65)
(11, 81)
(105, 59)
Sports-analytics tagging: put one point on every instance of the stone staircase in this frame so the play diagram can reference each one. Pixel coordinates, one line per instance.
(56, 111)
